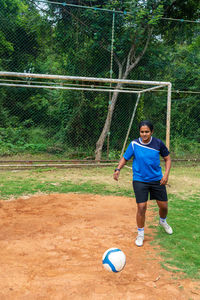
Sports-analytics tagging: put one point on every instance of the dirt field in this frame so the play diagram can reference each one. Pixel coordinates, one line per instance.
(51, 248)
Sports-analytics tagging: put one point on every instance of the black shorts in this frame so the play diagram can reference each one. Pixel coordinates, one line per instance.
(142, 190)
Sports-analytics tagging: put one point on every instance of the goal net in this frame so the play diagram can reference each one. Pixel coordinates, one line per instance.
(77, 118)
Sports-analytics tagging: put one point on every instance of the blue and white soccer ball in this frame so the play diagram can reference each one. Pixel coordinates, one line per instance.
(114, 260)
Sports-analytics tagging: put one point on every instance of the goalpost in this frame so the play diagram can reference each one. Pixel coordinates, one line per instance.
(60, 82)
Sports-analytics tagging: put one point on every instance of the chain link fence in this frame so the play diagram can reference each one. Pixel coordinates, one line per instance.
(56, 38)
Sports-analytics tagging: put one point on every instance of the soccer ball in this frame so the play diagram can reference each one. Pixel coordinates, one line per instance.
(114, 260)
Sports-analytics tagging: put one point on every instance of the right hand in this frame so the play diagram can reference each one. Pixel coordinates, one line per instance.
(116, 175)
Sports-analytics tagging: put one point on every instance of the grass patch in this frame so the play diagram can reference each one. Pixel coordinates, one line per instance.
(16, 184)
(181, 249)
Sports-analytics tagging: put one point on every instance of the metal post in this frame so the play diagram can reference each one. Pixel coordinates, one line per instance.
(131, 122)
(111, 75)
(168, 121)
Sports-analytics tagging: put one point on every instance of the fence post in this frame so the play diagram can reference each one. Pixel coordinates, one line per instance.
(168, 119)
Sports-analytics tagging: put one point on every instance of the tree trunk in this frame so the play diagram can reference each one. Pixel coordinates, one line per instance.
(106, 128)
(130, 65)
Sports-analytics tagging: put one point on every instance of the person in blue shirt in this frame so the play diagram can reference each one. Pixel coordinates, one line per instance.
(147, 176)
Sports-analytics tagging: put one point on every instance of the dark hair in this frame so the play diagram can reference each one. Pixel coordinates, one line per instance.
(146, 123)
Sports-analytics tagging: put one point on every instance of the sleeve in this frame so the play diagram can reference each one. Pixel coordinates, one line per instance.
(163, 150)
(129, 152)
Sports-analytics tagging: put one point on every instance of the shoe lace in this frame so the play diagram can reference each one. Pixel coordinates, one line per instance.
(140, 236)
(167, 226)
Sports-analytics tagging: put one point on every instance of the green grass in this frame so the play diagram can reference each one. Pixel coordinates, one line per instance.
(24, 187)
(181, 250)
(15, 186)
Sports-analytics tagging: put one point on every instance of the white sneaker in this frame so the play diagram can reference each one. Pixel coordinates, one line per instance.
(139, 240)
(166, 226)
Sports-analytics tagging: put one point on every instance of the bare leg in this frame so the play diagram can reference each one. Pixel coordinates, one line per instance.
(163, 208)
(140, 216)
(140, 219)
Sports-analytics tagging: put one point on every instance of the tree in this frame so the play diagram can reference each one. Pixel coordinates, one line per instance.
(143, 17)
(130, 47)
(56, 38)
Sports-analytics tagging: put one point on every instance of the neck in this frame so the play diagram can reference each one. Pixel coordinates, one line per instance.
(146, 142)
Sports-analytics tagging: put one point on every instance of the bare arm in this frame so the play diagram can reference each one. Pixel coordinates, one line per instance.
(120, 166)
(167, 160)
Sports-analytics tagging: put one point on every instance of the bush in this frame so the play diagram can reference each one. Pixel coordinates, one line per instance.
(184, 148)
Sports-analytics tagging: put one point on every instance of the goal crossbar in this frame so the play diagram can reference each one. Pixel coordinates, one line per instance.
(75, 78)
(70, 88)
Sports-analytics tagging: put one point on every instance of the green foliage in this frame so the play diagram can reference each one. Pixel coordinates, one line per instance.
(17, 39)
(19, 140)
(114, 154)
(140, 109)
(54, 39)
(12, 135)
(185, 148)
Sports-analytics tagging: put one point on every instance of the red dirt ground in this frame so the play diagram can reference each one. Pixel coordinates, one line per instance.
(51, 248)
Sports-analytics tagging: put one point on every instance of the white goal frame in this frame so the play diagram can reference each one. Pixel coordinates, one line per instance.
(88, 84)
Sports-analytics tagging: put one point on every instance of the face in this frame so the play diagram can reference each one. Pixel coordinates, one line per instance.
(145, 134)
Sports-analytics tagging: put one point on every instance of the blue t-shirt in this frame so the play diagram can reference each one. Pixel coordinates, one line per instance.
(146, 159)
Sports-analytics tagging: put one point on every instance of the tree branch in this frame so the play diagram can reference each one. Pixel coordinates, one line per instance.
(130, 67)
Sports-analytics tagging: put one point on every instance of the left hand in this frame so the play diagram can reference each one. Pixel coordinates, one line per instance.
(164, 180)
